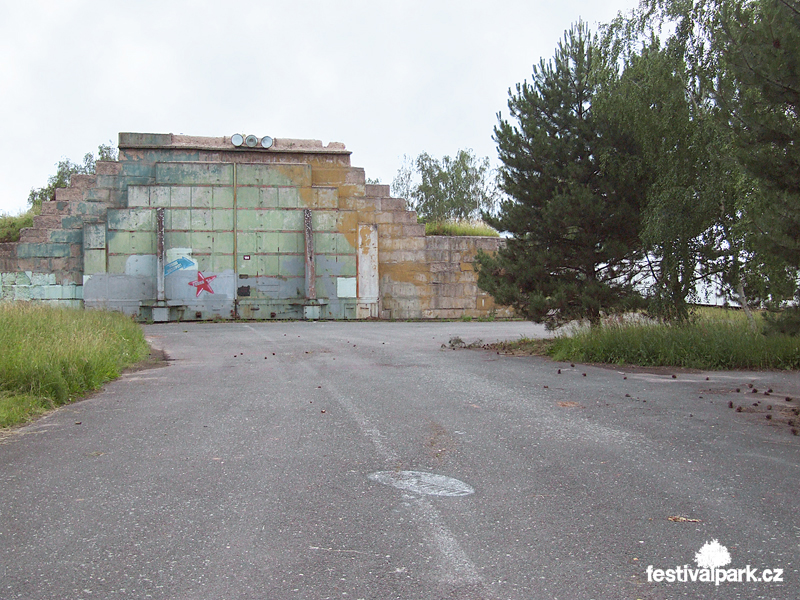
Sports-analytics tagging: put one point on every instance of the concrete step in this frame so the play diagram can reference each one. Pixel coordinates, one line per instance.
(54, 207)
(82, 182)
(34, 235)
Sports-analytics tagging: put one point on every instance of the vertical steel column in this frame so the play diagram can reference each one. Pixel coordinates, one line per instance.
(311, 275)
(235, 249)
(160, 294)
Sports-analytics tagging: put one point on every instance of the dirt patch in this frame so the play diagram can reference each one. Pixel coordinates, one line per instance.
(155, 360)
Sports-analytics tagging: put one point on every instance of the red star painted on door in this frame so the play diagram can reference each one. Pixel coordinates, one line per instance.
(203, 283)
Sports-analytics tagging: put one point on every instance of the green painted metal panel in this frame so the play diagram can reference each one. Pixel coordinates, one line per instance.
(247, 242)
(222, 243)
(269, 197)
(249, 219)
(289, 197)
(291, 242)
(248, 197)
(267, 175)
(176, 239)
(178, 219)
(292, 220)
(222, 197)
(180, 195)
(323, 220)
(201, 219)
(194, 173)
(222, 219)
(269, 241)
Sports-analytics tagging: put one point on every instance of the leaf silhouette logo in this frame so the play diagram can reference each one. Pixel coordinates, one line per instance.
(712, 555)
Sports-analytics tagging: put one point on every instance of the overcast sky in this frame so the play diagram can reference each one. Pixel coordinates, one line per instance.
(386, 78)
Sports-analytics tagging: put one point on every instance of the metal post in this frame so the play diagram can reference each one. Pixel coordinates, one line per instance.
(311, 275)
(160, 294)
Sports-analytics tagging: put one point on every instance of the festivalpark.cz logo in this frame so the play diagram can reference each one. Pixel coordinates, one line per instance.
(711, 559)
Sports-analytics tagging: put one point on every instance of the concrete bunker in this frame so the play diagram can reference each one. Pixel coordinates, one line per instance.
(195, 228)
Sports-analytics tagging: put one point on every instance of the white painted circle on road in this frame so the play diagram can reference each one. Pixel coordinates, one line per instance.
(419, 482)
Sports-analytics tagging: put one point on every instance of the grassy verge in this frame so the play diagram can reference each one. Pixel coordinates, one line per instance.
(10, 226)
(50, 356)
(478, 228)
(709, 342)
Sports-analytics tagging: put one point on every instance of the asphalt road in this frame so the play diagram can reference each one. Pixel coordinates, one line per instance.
(363, 460)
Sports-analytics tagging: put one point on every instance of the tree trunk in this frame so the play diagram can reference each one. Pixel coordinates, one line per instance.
(745, 306)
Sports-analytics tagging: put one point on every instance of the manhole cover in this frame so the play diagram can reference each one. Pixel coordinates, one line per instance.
(419, 482)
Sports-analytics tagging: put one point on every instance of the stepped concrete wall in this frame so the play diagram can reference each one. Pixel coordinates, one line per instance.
(189, 228)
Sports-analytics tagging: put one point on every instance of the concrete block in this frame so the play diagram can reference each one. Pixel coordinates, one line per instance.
(377, 190)
(50, 250)
(72, 222)
(413, 230)
(143, 140)
(137, 169)
(40, 279)
(222, 197)
(189, 173)
(201, 197)
(108, 167)
(54, 208)
(97, 195)
(47, 221)
(132, 219)
(94, 261)
(69, 194)
(180, 196)
(90, 209)
(159, 196)
(138, 195)
(217, 263)
(393, 204)
(112, 181)
(119, 242)
(68, 236)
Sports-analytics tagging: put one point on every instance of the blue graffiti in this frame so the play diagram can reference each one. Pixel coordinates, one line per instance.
(177, 265)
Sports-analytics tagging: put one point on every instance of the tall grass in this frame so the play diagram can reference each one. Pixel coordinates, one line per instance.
(460, 227)
(703, 343)
(11, 225)
(51, 356)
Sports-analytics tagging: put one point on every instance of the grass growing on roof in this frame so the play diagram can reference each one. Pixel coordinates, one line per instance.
(51, 356)
(460, 228)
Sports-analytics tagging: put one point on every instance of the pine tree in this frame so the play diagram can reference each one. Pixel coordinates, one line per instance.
(573, 210)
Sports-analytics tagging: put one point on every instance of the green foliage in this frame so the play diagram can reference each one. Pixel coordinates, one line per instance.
(11, 225)
(51, 356)
(452, 188)
(65, 169)
(574, 195)
(462, 227)
(786, 322)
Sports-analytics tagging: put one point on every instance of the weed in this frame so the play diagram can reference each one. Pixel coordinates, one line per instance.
(51, 356)
(460, 227)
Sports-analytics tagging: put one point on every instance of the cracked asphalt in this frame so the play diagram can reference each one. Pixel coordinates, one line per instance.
(314, 460)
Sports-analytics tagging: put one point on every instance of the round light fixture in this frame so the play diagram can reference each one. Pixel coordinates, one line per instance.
(251, 141)
(266, 142)
(237, 139)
